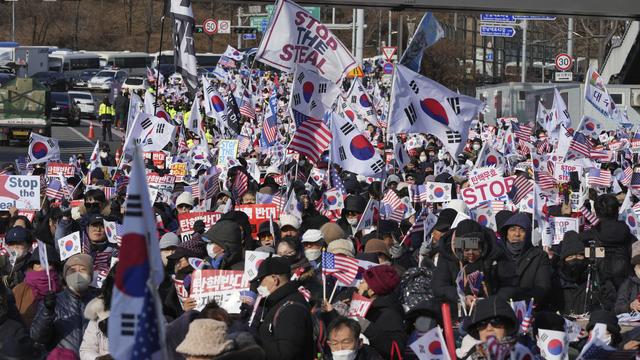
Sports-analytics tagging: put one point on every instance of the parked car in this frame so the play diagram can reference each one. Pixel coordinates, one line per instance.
(53, 80)
(85, 102)
(135, 83)
(82, 81)
(5, 78)
(62, 108)
(104, 79)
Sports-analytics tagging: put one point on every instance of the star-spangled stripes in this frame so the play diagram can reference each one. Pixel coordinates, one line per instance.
(311, 139)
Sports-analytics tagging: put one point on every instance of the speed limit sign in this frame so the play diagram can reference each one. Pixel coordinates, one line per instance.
(564, 62)
(210, 26)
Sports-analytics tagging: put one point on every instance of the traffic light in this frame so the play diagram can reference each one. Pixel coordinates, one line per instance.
(244, 30)
(197, 29)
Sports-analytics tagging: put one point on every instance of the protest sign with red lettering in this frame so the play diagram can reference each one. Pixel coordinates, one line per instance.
(561, 173)
(183, 293)
(223, 286)
(179, 170)
(186, 221)
(490, 190)
(159, 158)
(54, 169)
(28, 214)
(483, 174)
(359, 306)
(258, 213)
(165, 183)
(296, 37)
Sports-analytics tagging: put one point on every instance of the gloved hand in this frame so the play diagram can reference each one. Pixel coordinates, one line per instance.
(50, 301)
(396, 250)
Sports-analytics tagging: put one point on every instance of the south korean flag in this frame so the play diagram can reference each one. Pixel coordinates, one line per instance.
(438, 192)
(352, 150)
(311, 94)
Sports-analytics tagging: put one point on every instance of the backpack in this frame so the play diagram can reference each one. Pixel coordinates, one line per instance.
(319, 331)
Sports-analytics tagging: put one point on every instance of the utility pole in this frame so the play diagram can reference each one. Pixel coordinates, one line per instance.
(239, 24)
(400, 34)
(359, 35)
(570, 38)
(523, 77)
(389, 34)
(13, 20)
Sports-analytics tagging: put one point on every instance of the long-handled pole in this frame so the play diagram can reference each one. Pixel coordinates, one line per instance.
(158, 60)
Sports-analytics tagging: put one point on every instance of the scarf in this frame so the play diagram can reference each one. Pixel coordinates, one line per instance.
(37, 280)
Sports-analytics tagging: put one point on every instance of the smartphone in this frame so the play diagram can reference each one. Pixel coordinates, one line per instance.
(599, 252)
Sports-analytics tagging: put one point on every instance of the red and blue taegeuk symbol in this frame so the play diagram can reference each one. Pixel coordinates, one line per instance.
(350, 115)
(68, 245)
(107, 229)
(438, 192)
(435, 347)
(39, 150)
(364, 101)
(554, 347)
(307, 90)
(491, 160)
(590, 126)
(435, 110)
(631, 220)
(483, 220)
(361, 148)
(133, 267)
(218, 104)
(331, 199)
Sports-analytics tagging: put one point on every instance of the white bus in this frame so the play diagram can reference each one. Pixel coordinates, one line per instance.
(73, 62)
(135, 63)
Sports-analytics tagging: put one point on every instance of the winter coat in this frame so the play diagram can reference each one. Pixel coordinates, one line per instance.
(527, 276)
(26, 303)
(444, 276)
(64, 326)
(10, 328)
(569, 297)
(616, 238)
(386, 326)
(14, 275)
(244, 347)
(628, 291)
(290, 336)
(94, 342)
(415, 286)
(176, 331)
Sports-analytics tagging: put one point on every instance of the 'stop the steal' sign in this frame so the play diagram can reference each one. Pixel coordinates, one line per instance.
(296, 37)
(23, 192)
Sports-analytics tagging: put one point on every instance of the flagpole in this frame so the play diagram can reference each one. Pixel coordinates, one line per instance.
(159, 58)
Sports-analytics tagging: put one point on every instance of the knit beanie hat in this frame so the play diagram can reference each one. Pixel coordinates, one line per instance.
(571, 245)
(635, 253)
(78, 259)
(331, 231)
(382, 279)
(190, 248)
(342, 246)
(206, 337)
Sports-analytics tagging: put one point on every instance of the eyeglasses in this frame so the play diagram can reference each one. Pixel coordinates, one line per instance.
(494, 322)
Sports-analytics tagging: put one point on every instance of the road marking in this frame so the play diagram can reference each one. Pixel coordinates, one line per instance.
(81, 135)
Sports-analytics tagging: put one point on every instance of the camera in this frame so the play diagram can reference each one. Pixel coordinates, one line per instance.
(598, 252)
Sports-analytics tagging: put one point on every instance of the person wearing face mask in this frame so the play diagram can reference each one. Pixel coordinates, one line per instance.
(18, 241)
(604, 325)
(36, 284)
(423, 317)
(344, 342)
(354, 206)
(106, 159)
(224, 246)
(571, 296)
(95, 202)
(59, 322)
(629, 291)
(524, 270)
(383, 324)
(284, 324)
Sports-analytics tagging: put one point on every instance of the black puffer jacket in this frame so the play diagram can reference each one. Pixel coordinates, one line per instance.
(387, 326)
(444, 276)
(569, 297)
(290, 335)
(415, 286)
(525, 276)
(628, 292)
(616, 238)
(64, 326)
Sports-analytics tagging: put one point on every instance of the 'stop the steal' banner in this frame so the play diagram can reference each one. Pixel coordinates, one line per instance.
(23, 192)
(296, 37)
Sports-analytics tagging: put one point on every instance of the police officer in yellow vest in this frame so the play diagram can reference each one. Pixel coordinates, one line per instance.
(106, 113)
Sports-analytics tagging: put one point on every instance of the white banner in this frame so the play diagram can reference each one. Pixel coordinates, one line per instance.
(20, 191)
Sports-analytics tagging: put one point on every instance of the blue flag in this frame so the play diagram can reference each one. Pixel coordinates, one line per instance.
(428, 33)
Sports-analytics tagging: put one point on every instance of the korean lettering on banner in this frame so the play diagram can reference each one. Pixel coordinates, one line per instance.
(165, 183)
(561, 225)
(28, 214)
(186, 221)
(183, 293)
(483, 174)
(359, 306)
(158, 158)
(223, 286)
(227, 149)
(493, 189)
(22, 192)
(259, 213)
(54, 169)
(561, 173)
(179, 170)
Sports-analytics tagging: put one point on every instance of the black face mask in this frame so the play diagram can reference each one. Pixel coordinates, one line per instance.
(515, 248)
(576, 270)
(92, 208)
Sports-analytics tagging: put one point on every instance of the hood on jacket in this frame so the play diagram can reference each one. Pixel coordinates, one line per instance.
(490, 249)
(518, 219)
(226, 234)
(488, 308)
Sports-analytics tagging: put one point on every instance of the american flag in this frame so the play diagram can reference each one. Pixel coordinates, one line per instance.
(339, 266)
(635, 180)
(211, 185)
(278, 200)
(475, 280)
(54, 190)
(247, 108)
(601, 155)
(244, 144)
(336, 181)
(628, 174)
(544, 146)
(528, 317)
(520, 189)
(392, 200)
(102, 261)
(635, 141)
(270, 121)
(109, 192)
(240, 184)
(496, 349)
(580, 144)
(522, 132)
(589, 217)
(311, 139)
(545, 180)
(599, 177)
(195, 190)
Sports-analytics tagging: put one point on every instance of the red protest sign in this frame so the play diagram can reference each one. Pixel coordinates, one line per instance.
(28, 214)
(223, 286)
(186, 221)
(258, 213)
(359, 306)
(158, 158)
(55, 169)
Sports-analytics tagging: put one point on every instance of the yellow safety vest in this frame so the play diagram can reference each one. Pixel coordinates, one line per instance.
(106, 110)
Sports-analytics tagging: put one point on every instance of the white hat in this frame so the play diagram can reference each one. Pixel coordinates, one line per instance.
(290, 220)
(311, 236)
(185, 198)
(457, 205)
(273, 170)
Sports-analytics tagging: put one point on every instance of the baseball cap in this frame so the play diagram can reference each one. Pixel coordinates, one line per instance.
(168, 240)
(273, 266)
(95, 218)
(17, 234)
(290, 220)
(311, 236)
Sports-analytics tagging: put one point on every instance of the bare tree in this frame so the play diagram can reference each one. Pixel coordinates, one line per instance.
(149, 25)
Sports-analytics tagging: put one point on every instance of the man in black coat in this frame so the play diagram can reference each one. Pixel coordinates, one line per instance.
(525, 270)
(285, 327)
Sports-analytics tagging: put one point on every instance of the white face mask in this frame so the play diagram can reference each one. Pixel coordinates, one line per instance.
(103, 154)
(344, 354)
(263, 291)
(476, 146)
(312, 254)
(212, 254)
(423, 158)
(352, 221)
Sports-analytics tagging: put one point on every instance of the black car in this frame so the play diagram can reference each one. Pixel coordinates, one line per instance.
(55, 81)
(82, 80)
(5, 78)
(62, 108)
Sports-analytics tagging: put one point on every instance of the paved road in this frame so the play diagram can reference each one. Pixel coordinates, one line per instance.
(72, 140)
